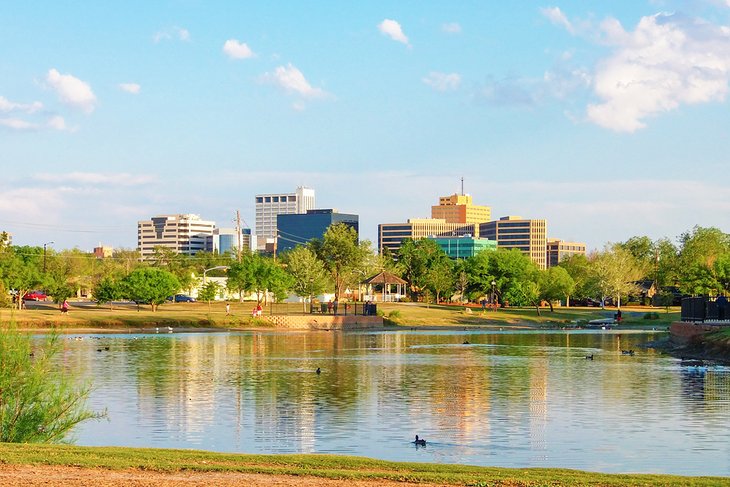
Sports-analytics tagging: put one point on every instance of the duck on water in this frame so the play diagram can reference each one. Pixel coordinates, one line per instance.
(419, 441)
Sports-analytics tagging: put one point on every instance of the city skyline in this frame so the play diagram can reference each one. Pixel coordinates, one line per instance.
(608, 121)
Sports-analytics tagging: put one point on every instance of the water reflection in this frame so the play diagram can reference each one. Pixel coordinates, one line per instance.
(505, 399)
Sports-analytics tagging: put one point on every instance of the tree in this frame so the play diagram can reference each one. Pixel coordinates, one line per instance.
(616, 272)
(722, 271)
(39, 403)
(20, 270)
(515, 275)
(309, 277)
(240, 277)
(439, 277)
(107, 290)
(150, 285)
(209, 291)
(700, 250)
(579, 269)
(341, 254)
(416, 259)
(555, 283)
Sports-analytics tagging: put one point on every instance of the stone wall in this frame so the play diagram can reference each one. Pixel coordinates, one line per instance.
(324, 322)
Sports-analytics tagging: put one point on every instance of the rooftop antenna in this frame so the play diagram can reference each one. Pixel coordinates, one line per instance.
(462, 185)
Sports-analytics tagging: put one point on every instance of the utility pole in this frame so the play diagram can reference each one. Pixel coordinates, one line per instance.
(238, 236)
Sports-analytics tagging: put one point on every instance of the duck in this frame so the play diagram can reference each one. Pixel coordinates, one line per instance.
(419, 441)
(589, 357)
(466, 342)
(318, 371)
(627, 352)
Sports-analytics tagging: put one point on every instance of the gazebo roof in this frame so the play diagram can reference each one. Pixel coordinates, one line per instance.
(384, 278)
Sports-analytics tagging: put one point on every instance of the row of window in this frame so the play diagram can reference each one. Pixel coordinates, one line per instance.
(276, 199)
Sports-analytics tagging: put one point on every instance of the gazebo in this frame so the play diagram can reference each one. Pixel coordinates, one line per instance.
(386, 281)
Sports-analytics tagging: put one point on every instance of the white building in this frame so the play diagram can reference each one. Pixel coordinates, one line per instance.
(225, 240)
(185, 234)
(268, 206)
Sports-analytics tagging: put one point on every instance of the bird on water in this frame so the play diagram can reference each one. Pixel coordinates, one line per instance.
(419, 441)
(319, 371)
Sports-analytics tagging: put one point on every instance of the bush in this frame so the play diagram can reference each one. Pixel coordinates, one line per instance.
(39, 403)
(394, 315)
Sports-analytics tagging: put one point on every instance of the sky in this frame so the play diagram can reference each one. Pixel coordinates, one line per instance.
(607, 119)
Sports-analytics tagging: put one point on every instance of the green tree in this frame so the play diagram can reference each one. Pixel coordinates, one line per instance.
(209, 291)
(439, 278)
(150, 285)
(39, 403)
(415, 260)
(722, 271)
(579, 269)
(515, 275)
(309, 277)
(108, 290)
(240, 277)
(616, 272)
(343, 257)
(555, 283)
(700, 249)
(20, 270)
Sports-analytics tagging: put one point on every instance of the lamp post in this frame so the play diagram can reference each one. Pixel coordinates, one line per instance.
(45, 245)
(494, 296)
(213, 268)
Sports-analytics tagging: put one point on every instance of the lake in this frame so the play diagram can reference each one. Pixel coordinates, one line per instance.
(512, 399)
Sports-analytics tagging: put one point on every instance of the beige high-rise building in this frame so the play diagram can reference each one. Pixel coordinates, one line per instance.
(184, 234)
(458, 208)
(557, 250)
(391, 235)
(514, 232)
(269, 206)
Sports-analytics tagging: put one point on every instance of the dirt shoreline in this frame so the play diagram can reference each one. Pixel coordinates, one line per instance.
(46, 475)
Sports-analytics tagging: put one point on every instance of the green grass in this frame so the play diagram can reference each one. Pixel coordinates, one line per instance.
(200, 315)
(325, 466)
(419, 314)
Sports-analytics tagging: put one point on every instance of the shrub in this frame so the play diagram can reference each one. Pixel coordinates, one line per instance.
(39, 403)
(394, 315)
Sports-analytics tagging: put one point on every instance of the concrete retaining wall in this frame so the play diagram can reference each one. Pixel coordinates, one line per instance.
(324, 322)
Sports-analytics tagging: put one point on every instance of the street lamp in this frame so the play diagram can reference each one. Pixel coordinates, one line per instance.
(44, 255)
(213, 268)
(494, 296)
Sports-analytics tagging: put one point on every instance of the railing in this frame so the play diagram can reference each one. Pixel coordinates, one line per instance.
(702, 309)
(340, 309)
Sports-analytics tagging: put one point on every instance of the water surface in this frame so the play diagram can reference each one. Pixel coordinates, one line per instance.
(514, 399)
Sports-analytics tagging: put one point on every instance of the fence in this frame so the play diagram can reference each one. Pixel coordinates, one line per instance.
(330, 308)
(701, 309)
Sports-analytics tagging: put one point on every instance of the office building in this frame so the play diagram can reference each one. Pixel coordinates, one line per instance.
(515, 232)
(458, 208)
(297, 229)
(557, 250)
(224, 240)
(391, 235)
(184, 234)
(464, 247)
(103, 251)
(269, 206)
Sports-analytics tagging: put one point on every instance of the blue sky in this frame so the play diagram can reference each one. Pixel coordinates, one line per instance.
(609, 119)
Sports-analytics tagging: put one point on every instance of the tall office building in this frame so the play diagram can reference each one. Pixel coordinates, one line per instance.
(185, 234)
(391, 235)
(557, 250)
(458, 208)
(464, 247)
(225, 240)
(299, 229)
(269, 206)
(515, 232)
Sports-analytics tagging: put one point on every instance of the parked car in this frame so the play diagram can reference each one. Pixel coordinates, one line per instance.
(181, 298)
(35, 296)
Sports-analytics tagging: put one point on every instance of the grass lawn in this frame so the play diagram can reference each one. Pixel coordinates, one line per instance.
(85, 315)
(325, 466)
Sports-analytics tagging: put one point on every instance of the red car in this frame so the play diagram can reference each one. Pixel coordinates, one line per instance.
(35, 296)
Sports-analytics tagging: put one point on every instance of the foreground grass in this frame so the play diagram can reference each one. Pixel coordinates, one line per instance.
(324, 466)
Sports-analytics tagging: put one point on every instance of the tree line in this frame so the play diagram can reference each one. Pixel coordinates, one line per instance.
(697, 264)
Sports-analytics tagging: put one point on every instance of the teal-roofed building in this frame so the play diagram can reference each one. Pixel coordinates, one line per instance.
(464, 247)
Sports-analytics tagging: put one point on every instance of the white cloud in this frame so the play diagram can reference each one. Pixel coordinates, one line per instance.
(557, 17)
(91, 178)
(443, 81)
(454, 27)
(292, 81)
(392, 29)
(17, 124)
(55, 122)
(178, 33)
(133, 88)
(71, 90)
(237, 50)
(668, 61)
(8, 106)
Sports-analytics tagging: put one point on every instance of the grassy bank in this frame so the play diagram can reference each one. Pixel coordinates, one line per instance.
(84, 315)
(324, 466)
